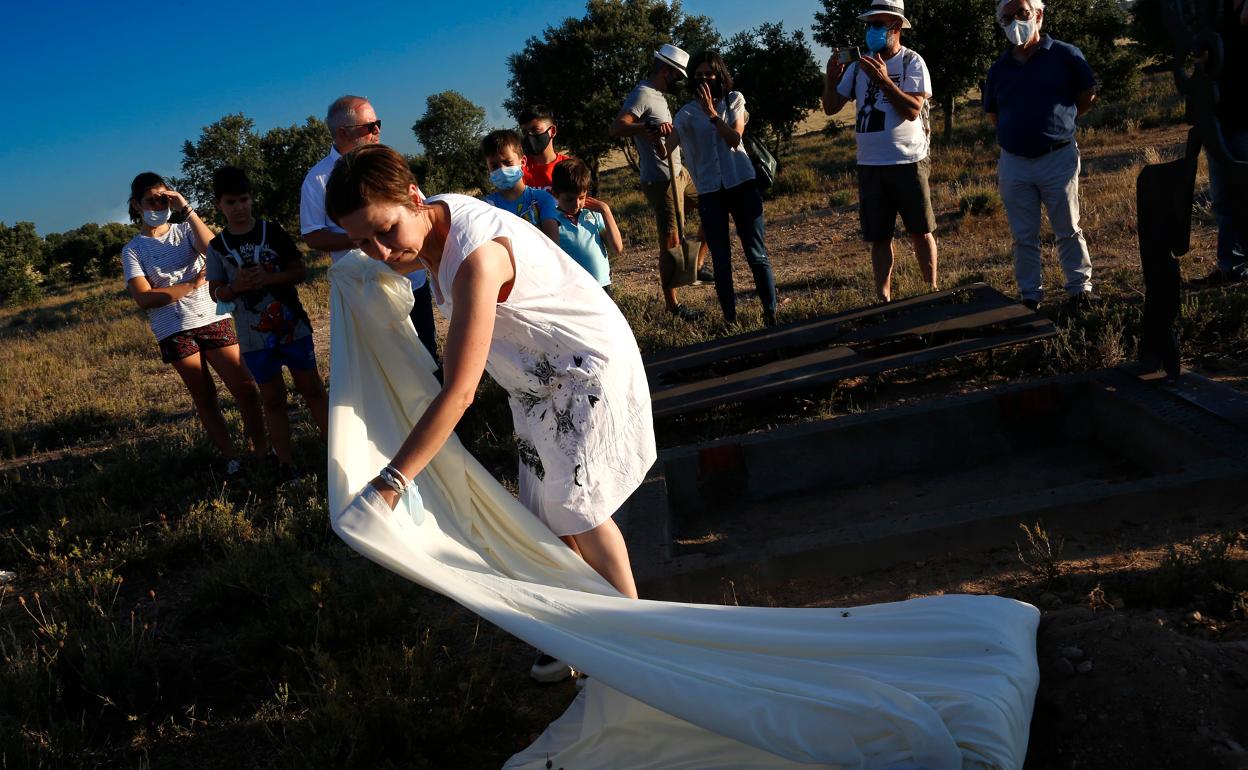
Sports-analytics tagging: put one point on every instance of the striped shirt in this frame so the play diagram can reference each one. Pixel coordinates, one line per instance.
(165, 261)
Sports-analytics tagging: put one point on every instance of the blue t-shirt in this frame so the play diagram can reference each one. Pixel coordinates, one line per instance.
(582, 240)
(1035, 100)
(534, 205)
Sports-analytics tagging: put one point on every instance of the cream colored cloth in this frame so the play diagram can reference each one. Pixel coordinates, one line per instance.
(936, 683)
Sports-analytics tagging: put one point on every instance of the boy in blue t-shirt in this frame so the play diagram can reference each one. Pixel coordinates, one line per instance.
(254, 266)
(504, 159)
(586, 226)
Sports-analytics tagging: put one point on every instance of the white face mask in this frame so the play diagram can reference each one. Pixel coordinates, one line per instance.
(1019, 32)
(155, 218)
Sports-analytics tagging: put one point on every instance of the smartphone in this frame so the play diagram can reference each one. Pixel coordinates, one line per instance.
(847, 55)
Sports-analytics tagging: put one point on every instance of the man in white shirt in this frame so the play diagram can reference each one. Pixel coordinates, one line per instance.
(890, 87)
(353, 123)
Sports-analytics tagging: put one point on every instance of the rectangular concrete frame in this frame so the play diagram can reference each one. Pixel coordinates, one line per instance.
(1190, 439)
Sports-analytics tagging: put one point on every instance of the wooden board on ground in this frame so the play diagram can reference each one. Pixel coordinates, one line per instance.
(821, 351)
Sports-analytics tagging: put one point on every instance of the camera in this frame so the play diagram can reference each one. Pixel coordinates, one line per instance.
(847, 55)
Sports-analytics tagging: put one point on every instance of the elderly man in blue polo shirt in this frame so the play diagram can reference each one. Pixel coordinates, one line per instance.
(1033, 94)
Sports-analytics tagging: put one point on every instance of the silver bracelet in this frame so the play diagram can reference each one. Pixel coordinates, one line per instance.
(394, 479)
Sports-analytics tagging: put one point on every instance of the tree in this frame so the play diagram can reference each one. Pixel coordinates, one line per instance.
(287, 155)
(231, 141)
(582, 69)
(957, 40)
(21, 249)
(1095, 27)
(778, 75)
(451, 131)
(90, 250)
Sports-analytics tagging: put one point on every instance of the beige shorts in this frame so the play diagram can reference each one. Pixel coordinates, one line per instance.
(659, 196)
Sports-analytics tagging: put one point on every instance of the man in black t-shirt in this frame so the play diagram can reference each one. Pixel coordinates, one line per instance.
(1228, 198)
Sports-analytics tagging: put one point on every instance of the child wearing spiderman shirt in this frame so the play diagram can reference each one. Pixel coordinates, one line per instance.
(254, 266)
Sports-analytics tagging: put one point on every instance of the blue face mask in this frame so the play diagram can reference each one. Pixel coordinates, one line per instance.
(505, 177)
(877, 39)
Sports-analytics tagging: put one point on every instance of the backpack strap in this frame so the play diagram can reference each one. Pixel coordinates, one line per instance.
(907, 59)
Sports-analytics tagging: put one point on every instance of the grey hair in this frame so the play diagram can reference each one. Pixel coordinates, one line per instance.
(342, 111)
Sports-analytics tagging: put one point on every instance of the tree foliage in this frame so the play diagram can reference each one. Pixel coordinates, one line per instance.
(276, 163)
(89, 251)
(450, 131)
(583, 69)
(779, 77)
(21, 249)
(1096, 28)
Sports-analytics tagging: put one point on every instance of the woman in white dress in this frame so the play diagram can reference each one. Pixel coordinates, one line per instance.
(521, 309)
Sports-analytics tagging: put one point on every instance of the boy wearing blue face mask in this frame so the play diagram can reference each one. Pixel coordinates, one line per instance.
(504, 159)
(891, 89)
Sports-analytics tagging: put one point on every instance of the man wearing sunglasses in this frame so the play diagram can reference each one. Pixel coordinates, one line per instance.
(1033, 94)
(353, 123)
(891, 88)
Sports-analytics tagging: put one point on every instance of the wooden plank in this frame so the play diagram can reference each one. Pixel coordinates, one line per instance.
(750, 385)
(828, 357)
(813, 332)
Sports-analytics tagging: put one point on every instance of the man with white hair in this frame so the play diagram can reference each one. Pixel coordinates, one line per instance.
(1033, 94)
(353, 123)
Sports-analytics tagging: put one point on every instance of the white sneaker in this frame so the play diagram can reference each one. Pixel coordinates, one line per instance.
(548, 669)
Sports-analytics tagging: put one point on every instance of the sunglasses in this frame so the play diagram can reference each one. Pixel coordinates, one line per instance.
(373, 128)
(880, 24)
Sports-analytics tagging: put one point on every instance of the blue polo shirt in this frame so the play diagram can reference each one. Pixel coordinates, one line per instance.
(1035, 100)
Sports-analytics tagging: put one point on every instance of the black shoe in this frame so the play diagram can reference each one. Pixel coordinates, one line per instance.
(685, 313)
(1220, 277)
(705, 275)
(1031, 304)
(1081, 302)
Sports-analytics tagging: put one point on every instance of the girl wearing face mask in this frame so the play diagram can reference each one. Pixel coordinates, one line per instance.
(164, 271)
(708, 130)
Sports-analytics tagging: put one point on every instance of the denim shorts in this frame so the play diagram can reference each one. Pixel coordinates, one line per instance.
(266, 364)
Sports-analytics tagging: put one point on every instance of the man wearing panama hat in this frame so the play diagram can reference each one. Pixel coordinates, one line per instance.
(646, 119)
(890, 87)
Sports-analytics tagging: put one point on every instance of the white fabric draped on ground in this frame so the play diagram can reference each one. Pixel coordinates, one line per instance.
(937, 683)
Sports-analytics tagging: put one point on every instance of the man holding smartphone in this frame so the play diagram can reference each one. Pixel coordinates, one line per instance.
(890, 87)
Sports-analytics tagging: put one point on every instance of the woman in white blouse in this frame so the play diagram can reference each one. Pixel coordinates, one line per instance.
(164, 270)
(708, 130)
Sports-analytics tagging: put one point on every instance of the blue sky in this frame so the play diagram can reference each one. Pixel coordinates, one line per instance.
(97, 91)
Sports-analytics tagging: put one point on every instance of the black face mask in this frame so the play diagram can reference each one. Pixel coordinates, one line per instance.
(717, 88)
(535, 144)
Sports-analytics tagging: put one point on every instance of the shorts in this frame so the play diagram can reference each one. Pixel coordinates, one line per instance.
(659, 196)
(886, 191)
(266, 363)
(187, 343)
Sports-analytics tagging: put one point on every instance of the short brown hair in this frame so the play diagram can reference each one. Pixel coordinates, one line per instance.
(570, 176)
(503, 139)
(373, 173)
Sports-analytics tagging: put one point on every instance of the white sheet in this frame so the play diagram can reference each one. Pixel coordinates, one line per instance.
(938, 683)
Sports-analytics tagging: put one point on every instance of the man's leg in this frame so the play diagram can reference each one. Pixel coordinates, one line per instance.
(1232, 245)
(925, 252)
(882, 267)
(1021, 199)
(658, 195)
(914, 203)
(1058, 176)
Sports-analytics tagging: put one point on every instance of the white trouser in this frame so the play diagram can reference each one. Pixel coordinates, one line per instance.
(1051, 179)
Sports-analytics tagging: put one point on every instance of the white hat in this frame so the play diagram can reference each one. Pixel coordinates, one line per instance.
(892, 7)
(670, 54)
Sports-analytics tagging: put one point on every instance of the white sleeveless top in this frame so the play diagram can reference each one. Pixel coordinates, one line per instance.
(571, 368)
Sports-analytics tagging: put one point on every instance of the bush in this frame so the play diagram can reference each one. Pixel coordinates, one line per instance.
(980, 202)
(20, 282)
(794, 179)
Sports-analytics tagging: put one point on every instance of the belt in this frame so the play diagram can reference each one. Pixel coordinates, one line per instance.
(1047, 150)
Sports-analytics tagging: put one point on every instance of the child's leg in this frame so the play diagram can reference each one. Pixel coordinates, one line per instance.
(308, 383)
(603, 549)
(228, 363)
(193, 370)
(276, 417)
